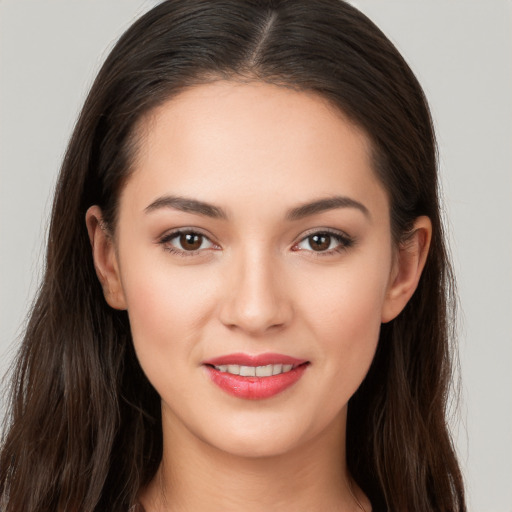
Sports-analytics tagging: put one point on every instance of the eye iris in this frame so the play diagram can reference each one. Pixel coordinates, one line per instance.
(320, 242)
(191, 241)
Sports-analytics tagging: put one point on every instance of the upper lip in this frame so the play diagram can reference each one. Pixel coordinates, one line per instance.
(254, 360)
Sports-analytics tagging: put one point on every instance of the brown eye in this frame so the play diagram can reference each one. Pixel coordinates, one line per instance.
(320, 241)
(186, 243)
(190, 241)
(324, 242)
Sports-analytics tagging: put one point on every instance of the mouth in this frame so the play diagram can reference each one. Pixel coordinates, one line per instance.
(255, 371)
(255, 377)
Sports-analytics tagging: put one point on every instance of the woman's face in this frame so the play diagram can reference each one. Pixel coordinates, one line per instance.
(252, 233)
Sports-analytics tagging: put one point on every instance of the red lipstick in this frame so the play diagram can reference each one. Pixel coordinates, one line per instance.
(255, 377)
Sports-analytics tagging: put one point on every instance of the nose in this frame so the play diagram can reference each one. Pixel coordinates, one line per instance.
(256, 299)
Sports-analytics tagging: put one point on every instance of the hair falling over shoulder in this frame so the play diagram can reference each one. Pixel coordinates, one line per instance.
(83, 432)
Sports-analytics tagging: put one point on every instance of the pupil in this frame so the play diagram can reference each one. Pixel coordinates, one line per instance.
(191, 241)
(320, 242)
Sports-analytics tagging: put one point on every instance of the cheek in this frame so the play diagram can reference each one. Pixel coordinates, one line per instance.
(351, 330)
(344, 311)
(167, 308)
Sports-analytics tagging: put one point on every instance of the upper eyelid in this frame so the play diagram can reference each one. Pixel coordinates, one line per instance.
(165, 242)
(329, 231)
(345, 241)
(169, 235)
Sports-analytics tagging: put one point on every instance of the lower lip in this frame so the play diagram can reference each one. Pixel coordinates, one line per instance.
(255, 388)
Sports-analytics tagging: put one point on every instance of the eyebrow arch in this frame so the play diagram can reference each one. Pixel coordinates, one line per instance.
(322, 205)
(188, 205)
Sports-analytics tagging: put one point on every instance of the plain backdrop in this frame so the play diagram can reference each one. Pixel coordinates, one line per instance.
(461, 51)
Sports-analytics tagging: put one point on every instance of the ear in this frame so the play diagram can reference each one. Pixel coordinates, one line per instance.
(105, 258)
(409, 263)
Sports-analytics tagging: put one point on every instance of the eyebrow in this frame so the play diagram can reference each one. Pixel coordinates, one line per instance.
(322, 205)
(188, 205)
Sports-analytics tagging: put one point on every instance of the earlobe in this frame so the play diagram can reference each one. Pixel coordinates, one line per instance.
(105, 258)
(410, 261)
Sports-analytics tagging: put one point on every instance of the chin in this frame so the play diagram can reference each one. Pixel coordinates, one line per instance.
(257, 446)
(257, 436)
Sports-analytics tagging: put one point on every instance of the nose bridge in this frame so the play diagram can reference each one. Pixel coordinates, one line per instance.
(257, 299)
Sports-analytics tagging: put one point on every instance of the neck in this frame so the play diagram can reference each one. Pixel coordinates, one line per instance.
(196, 476)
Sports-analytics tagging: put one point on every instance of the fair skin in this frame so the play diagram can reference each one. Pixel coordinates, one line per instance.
(253, 278)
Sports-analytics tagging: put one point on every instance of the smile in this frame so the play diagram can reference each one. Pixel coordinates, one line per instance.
(255, 371)
(255, 377)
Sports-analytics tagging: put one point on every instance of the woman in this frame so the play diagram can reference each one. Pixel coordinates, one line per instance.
(247, 295)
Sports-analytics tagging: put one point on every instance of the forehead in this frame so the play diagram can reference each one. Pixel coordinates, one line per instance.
(226, 142)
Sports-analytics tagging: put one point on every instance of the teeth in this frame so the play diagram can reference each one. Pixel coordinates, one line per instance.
(247, 371)
(232, 368)
(255, 371)
(278, 368)
(264, 371)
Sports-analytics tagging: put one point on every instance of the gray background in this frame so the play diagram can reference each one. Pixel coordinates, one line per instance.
(461, 51)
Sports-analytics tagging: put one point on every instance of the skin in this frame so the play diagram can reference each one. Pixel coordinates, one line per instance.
(255, 285)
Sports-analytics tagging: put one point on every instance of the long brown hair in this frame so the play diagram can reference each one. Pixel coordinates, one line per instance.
(84, 429)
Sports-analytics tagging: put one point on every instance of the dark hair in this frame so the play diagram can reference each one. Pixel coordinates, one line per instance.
(85, 426)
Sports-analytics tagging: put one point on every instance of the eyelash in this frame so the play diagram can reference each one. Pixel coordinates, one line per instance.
(344, 242)
(165, 241)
